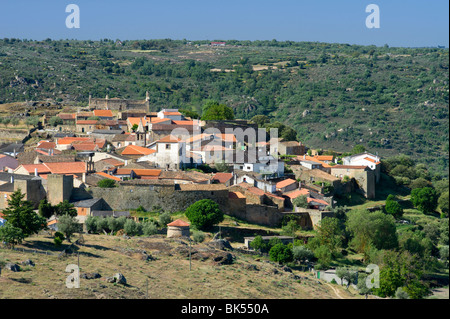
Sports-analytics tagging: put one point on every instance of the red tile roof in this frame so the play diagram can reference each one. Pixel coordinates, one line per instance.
(222, 177)
(169, 139)
(178, 223)
(86, 122)
(85, 147)
(70, 140)
(66, 167)
(103, 113)
(235, 195)
(108, 176)
(296, 193)
(285, 183)
(137, 150)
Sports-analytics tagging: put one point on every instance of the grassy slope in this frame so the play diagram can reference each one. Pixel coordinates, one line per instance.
(168, 276)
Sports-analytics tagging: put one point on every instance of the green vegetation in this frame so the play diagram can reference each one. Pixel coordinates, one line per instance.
(334, 96)
(204, 213)
(106, 183)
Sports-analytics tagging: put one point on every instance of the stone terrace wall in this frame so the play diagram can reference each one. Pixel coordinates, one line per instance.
(131, 197)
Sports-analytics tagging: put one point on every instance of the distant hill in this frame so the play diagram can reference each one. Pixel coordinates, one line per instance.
(391, 100)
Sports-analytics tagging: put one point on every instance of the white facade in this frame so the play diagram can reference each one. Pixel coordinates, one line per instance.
(168, 155)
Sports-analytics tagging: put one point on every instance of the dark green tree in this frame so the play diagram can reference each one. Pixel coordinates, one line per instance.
(212, 110)
(46, 209)
(11, 235)
(20, 214)
(65, 208)
(425, 199)
(204, 213)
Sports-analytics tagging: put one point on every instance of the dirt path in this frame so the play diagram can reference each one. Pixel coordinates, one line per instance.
(336, 291)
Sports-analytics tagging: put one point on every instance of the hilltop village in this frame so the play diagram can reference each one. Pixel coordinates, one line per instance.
(169, 160)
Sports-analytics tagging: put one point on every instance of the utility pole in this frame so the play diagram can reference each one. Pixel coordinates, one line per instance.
(190, 263)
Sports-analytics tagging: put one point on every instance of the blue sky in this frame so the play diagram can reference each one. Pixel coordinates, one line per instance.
(411, 23)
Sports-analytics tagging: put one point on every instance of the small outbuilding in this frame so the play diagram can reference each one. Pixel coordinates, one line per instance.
(178, 228)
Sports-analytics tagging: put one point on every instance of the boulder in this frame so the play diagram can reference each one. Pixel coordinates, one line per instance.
(223, 259)
(28, 262)
(117, 278)
(93, 275)
(13, 267)
(221, 244)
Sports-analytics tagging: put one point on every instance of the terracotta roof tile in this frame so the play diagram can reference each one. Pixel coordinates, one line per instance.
(285, 183)
(103, 113)
(137, 150)
(178, 223)
(222, 177)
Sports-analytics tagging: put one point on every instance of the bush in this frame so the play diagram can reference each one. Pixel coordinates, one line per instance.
(281, 253)
(131, 228)
(91, 224)
(149, 228)
(302, 253)
(106, 183)
(198, 236)
(164, 219)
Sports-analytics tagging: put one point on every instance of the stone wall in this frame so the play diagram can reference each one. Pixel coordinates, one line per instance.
(129, 197)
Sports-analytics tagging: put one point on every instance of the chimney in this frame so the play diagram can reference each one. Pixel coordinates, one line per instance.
(83, 178)
(35, 171)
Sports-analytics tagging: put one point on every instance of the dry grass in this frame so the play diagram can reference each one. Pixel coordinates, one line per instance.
(168, 275)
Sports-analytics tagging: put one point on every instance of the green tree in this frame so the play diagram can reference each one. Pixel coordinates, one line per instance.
(212, 110)
(425, 199)
(371, 229)
(357, 149)
(443, 202)
(65, 208)
(281, 253)
(347, 274)
(55, 121)
(302, 253)
(132, 228)
(300, 201)
(68, 225)
(330, 234)
(164, 219)
(362, 285)
(204, 213)
(20, 214)
(259, 244)
(11, 235)
(46, 209)
(393, 208)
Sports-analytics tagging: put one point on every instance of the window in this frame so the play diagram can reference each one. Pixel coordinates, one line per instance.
(167, 146)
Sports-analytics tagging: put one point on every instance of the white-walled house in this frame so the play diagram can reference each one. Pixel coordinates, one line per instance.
(170, 153)
(364, 159)
(172, 114)
(260, 164)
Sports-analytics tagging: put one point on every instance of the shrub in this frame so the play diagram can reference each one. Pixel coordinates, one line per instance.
(149, 228)
(131, 228)
(302, 253)
(198, 236)
(281, 253)
(106, 183)
(164, 219)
